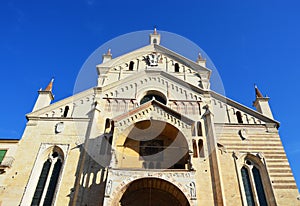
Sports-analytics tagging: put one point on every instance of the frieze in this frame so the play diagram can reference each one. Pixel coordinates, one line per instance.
(118, 179)
(161, 174)
(170, 85)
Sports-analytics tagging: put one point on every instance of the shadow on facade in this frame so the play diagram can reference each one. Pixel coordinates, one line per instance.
(91, 172)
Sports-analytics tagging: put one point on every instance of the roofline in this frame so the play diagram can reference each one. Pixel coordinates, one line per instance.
(194, 64)
(8, 140)
(242, 107)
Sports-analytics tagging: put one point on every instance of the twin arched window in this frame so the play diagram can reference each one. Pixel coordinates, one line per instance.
(253, 187)
(200, 148)
(47, 183)
(197, 129)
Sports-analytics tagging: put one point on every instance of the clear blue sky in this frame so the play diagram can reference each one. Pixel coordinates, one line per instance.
(248, 41)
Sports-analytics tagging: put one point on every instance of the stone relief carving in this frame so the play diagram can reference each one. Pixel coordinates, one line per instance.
(192, 188)
(152, 59)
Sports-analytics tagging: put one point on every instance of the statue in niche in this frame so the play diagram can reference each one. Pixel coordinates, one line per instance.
(192, 188)
(108, 188)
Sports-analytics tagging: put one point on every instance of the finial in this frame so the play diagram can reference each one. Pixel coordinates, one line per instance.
(200, 56)
(50, 85)
(257, 92)
(155, 32)
(106, 57)
(108, 52)
(200, 60)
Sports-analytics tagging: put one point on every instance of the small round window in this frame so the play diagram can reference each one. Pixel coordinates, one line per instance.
(153, 95)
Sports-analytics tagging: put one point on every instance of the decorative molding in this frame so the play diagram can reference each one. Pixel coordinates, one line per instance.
(154, 112)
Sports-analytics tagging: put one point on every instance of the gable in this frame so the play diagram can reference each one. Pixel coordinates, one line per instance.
(152, 110)
(152, 57)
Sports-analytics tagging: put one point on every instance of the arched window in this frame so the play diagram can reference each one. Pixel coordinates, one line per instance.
(193, 130)
(259, 186)
(252, 183)
(41, 183)
(53, 182)
(200, 147)
(247, 186)
(154, 41)
(195, 152)
(131, 64)
(107, 125)
(48, 180)
(153, 95)
(176, 67)
(66, 111)
(199, 129)
(112, 129)
(239, 117)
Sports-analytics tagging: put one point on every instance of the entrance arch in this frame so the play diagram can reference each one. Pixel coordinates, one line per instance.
(153, 192)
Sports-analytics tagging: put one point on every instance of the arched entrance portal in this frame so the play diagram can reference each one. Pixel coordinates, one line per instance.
(153, 192)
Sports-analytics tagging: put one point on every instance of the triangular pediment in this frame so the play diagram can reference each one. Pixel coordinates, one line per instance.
(148, 50)
(151, 57)
(152, 110)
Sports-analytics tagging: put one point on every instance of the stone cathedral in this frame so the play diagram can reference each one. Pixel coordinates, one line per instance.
(151, 133)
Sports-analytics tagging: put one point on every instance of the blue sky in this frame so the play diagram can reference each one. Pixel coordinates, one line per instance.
(248, 41)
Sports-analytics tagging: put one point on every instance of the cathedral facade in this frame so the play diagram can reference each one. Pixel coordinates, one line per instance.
(151, 132)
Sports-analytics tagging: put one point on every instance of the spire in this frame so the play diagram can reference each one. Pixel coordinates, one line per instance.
(45, 97)
(261, 103)
(154, 32)
(50, 85)
(257, 92)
